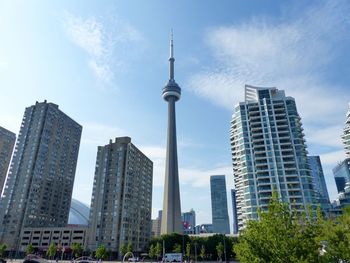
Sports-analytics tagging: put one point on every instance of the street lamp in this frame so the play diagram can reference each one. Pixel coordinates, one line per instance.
(225, 248)
(195, 252)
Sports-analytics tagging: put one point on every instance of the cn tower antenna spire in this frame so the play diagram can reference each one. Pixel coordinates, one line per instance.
(171, 59)
(172, 44)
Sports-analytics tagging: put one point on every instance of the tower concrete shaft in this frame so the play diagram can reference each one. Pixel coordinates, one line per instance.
(171, 218)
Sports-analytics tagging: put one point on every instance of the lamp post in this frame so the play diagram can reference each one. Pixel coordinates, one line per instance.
(195, 252)
(225, 248)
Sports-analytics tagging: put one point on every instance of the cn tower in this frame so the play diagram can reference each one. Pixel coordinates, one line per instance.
(171, 216)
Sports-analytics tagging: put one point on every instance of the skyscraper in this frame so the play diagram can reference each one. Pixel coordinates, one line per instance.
(7, 141)
(156, 224)
(189, 222)
(322, 196)
(41, 177)
(121, 199)
(234, 211)
(346, 134)
(269, 152)
(219, 204)
(342, 174)
(171, 219)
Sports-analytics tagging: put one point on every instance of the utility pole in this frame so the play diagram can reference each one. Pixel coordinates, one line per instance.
(225, 248)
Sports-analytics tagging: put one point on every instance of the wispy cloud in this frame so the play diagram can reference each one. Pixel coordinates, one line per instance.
(332, 158)
(191, 176)
(328, 136)
(98, 134)
(108, 41)
(294, 56)
(297, 55)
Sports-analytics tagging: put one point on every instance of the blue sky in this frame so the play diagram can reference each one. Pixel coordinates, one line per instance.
(105, 62)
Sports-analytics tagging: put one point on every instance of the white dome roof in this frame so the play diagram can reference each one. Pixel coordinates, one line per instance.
(78, 213)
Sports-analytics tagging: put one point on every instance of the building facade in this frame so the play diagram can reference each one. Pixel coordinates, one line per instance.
(7, 141)
(189, 222)
(42, 237)
(156, 225)
(204, 229)
(234, 211)
(40, 182)
(269, 152)
(219, 204)
(120, 211)
(319, 182)
(346, 133)
(342, 174)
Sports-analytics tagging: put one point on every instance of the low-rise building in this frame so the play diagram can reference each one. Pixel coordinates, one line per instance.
(42, 237)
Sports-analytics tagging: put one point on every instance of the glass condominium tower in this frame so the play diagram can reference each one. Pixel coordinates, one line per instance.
(40, 182)
(346, 134)
(269, 152)
(219, 204)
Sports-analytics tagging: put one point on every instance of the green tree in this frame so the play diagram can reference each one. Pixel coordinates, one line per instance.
(2, 249)
(220, 250)
(130, 247)
(51, 251)
(158, 250)
(280, 236)
(202, 252)
(77, 249)
(29, 249)
(177, 248)
(335, 239)
(188, 251)
(101, 252)
(152, 251)
(124, 249)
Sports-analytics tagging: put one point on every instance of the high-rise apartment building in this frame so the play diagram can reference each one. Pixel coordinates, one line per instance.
(319, 182)
(269, 152)
(40, 182)
(121, 199)
(234, 211)
(189, 222)
(346, 134)
(7, 141)
(342, 174)
(219, 204)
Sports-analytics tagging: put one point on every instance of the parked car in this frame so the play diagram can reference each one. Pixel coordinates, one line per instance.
(172, 257)
(34, 259)
(136, 259)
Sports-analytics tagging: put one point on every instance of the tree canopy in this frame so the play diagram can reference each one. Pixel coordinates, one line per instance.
(282, 235)
(51, 251)
(101, 252)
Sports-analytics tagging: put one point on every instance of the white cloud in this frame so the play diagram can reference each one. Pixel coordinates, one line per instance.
(87, 34)
(200, 177)
(294, 56)
(329, 136)
(191, 176)
(157, 155)
(108, 41)
(99, 134)
(332, 158)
